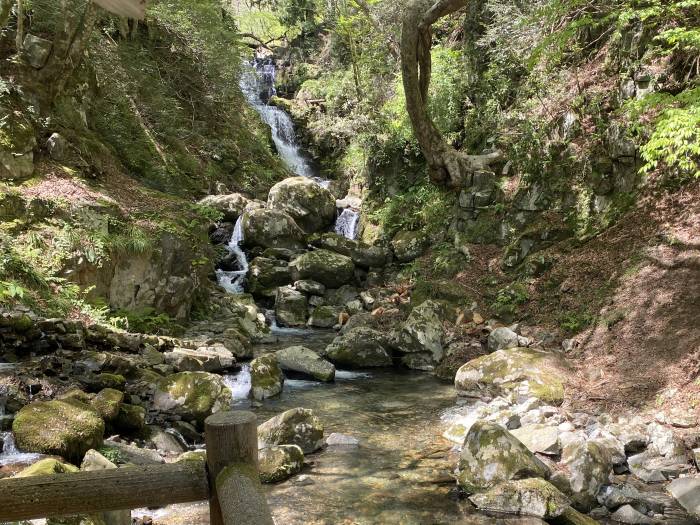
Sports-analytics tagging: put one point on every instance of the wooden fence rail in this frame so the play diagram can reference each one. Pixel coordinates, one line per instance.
(229, 481)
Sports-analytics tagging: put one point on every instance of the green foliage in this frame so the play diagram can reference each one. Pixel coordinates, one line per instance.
(147, 321)
(509, 299)
(574, 322)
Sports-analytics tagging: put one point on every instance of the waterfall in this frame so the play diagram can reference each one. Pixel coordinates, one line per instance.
(239, 384)
(347, 223)
(11, 455)
(233, 281)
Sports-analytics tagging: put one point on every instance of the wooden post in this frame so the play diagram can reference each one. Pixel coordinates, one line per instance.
(232, 451)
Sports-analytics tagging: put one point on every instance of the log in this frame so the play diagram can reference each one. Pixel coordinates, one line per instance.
(101, 491)
(232, 444)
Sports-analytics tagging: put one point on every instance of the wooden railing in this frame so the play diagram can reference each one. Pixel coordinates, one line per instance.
(229, 480)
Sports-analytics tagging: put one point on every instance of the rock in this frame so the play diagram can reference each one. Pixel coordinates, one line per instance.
(502, 339)
(191, 395)
(307, 362)
(423, 332)
(94, 461)
(57, 146)
(266, 377)
(203, 359)
(492, 455)
(310, 287)
(363, 255)
(47, 467)
(281, 462)
(342, 440)
(590, 466)
(634, 437)
(66, 428)
(291, 307)
(614, 496)
(525, 497)
(298, 426)
(309, 204)
(107, 403)
(664, 441)
(265, 274)
(132, 454)
(131, 419)
(330, 269)
(359, 348)
(543, 439)
(408, 245)
(163, 441)
(571, 516)
(231, 206)
(628, 514)
(271, 229)
(36, 50)
(17, 143)
(687, 493)
(325, 316)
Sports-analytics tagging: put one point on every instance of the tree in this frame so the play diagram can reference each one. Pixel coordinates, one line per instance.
(447, 166)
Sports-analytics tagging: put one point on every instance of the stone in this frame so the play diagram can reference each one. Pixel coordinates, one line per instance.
(266, 377)
(615, 496)
(543, 439)
(328, 268)
(342, 440)
(628, 514)
(359, 348)
(492, 455)
(523, 371)
(36, 50)
(278, 463)
(66, 428)
(423, 332)
(231, 206)
(304, 361)
(56, 146)
(131, 419)
(664, 441)
(298, 426)
(687, 492)
(291, 307)
(311, 205)
(590, 466)
(131, 454)
(107, 403)
(203, 359)
(163, 441)
(191, 395)
(502, 339)
(94, 461)
(47, 467)
(271, 229)
(408, 245)
(571, 516)
(325, 316)
(525, 497)
(310, 287)
(363, 255)
(265, 274)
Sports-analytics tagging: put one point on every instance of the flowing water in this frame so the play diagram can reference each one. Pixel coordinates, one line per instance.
(347, 223)
(234, 281)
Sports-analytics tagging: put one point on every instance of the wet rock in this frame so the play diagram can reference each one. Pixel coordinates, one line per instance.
(628, 514)
(502, 339)
(203, 359)
(163, 441)
(543, 439)
(291, 307)
(423, 332)
(231, 206)
(328, 268)
(191, 395)
(590, 466)
(359, 348)
(492, 455)
(687, 492)
(66, 428)
(307, 362)
(408, 245)
(571, 516)
(278, 463)
(47, 467)
(271, 229)
(526, 497)
(266, 377)
(298, 426)
(309, 204)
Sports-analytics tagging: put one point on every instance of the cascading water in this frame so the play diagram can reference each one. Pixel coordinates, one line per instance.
(239, 384)
(347, 223)
(232, 281)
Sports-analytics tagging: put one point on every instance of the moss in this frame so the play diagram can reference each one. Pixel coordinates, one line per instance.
(47, 467)
(107, 403)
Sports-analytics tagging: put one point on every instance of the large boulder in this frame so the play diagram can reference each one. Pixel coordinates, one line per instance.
(328, 268)
(492, 455)
(271, 229)
(359, 348)
(311, 205)
(266, 377)
(408, 245)
(203, 359)
(231, 206)
(502, 338)
(191, 395)
(362, 254)
(17, 143)
(304, 361)
(529, 372)
(590, 466)
(265, 274)
(291, 307)
(524, 497)
(62, 427)
(280, 462)
(422, 333)
(298, 426)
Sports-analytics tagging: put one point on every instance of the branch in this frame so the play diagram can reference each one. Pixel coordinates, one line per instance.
(363, 6)
(259, 40)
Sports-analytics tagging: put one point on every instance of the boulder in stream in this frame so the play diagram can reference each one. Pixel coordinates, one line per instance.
(266, 377)
(307, 362)
(328, 268)
(279, 462)
(359, 348)
(298, 426)
(291, 307)
(191, 395)
(271, 229)
(311, 205)
(524, 497)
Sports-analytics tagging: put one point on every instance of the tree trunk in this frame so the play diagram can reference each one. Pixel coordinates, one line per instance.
(447, 165)
(19, 38)
(5, 8)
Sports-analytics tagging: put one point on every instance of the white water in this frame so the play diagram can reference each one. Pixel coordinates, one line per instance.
(276, 329)
(11, 455)
(239, 384)
(347, 223)
(233, 281)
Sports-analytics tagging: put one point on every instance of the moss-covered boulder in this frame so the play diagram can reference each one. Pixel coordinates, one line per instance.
(131, 419)
(47, 467)
(362, 254)
(330, 269)
(107, 403)
(265, 274)
(66, 428)
(302, 360)
(492, 455)
(524, 497)
(309, 204)
(325, 316)
(408, 245)
(17, 143)
(266, 377)
(231, 206)
(271, 229)
(291, 307)
(529, 371)
(423, 333)
(298, 426)
(590, 466)
(278, 463)
(359, 348)
(191, 395)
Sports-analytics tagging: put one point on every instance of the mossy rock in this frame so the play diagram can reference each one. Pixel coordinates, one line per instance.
(191, 395)
(66, 428)
(131, 419)
(266, 377)
(271, 229)
(107, 403)
(359, 348)
(309, 204)
(298, 426)
(409, 245)
(279, 463)
(328, 268)
(47, 467)
(524, 497)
